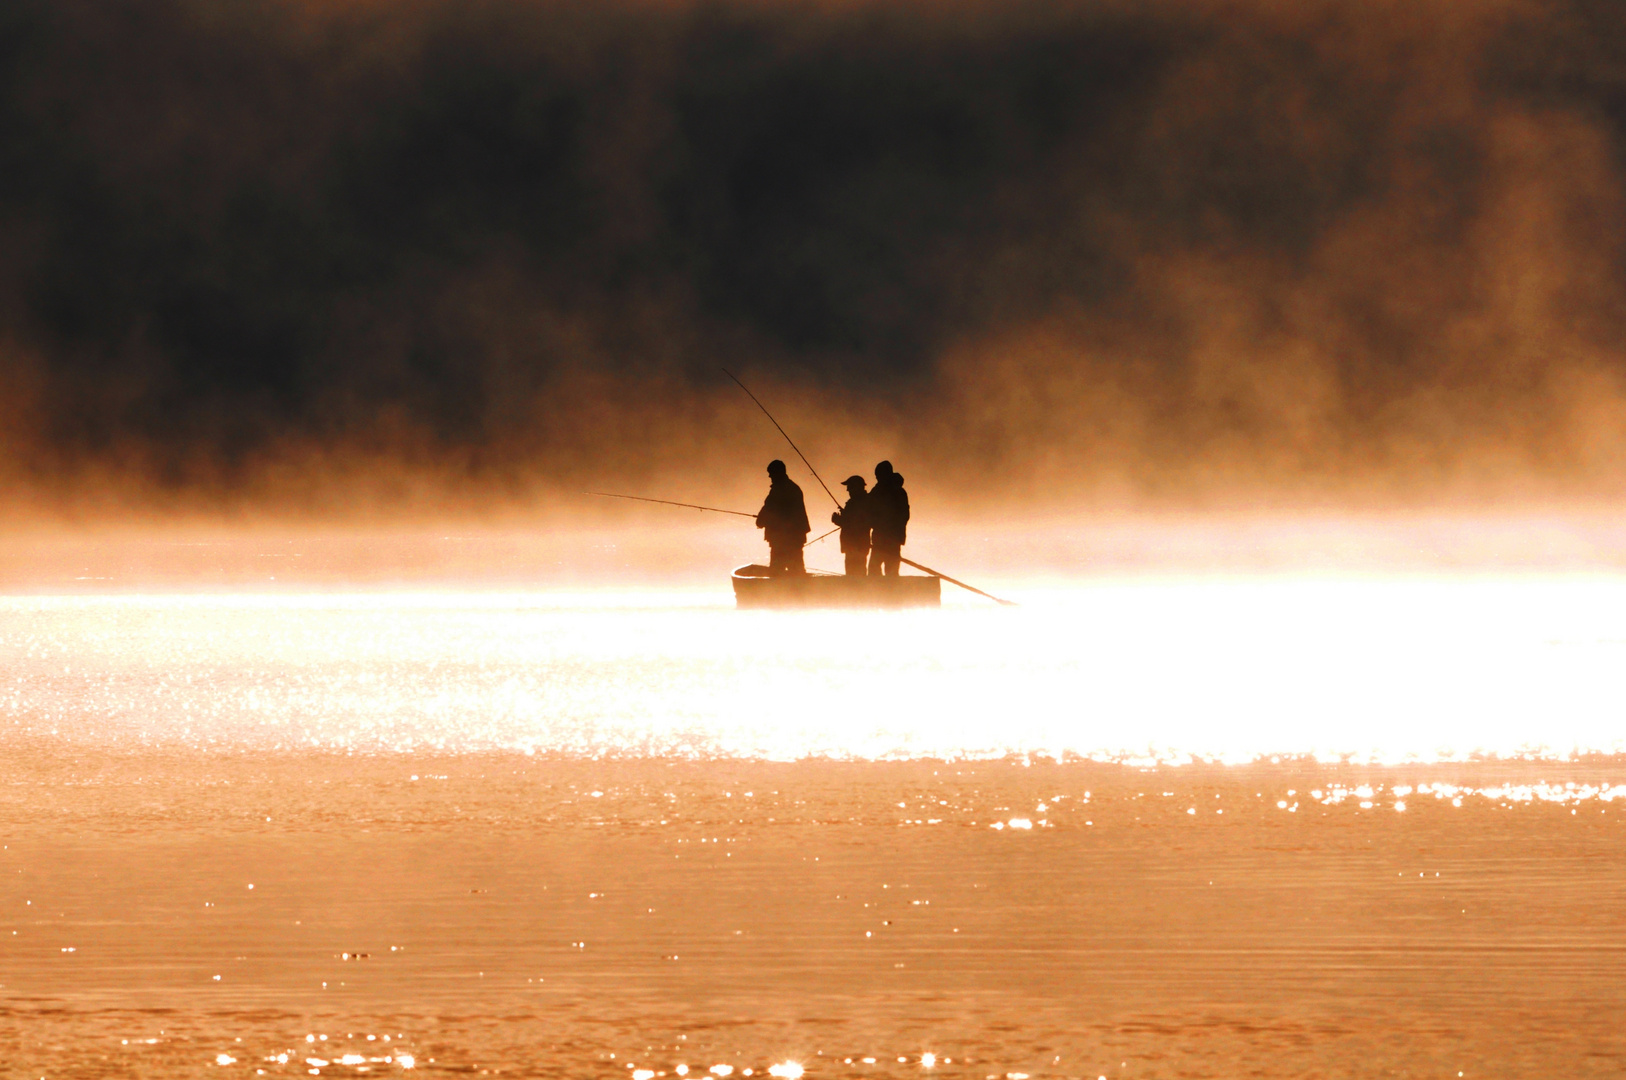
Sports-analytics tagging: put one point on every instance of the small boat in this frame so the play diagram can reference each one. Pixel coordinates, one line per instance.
(756, 587)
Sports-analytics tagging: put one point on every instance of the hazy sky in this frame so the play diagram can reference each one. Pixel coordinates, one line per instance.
(330, 255)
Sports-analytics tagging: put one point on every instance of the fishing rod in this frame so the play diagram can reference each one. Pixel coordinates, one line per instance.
(669, 502)
(696, 506)
(822, 484)
(788, 439)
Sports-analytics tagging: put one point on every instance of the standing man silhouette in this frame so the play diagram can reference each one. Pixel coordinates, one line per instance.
(783, 521)
(854, 521)
(889, 521)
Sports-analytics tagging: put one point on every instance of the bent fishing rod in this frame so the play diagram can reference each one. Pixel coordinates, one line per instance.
(788, 439)
(713, 509)
(822, 484)
(668, 502)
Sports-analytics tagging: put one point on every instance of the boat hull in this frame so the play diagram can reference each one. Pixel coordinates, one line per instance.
(753, 590)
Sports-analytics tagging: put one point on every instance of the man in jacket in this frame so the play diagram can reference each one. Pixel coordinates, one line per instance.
(889, 521)
(854, 521)
(783, 521)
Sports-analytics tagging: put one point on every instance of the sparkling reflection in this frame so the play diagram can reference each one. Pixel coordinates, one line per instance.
(1382, 671)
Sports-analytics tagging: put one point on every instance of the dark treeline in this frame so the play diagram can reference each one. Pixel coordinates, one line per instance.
(237, 231)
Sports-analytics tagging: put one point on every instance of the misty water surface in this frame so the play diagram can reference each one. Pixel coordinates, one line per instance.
(1381, 670)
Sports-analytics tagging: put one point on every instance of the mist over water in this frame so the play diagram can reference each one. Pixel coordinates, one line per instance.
(1268, 354)
(409, 258)
(1149, 671)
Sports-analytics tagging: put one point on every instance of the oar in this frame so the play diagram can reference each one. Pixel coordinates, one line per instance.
(668, 502)
(951, 581)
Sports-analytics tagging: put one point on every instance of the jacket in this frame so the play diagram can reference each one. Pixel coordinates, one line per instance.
(783, 517)
(889, 512)
(854, 521)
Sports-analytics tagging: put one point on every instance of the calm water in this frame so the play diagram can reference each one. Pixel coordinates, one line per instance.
(1148, 829)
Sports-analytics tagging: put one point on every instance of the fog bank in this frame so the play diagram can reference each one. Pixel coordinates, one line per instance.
(344, 261)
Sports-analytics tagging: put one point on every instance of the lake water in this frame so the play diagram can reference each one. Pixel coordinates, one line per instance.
(1146, 828)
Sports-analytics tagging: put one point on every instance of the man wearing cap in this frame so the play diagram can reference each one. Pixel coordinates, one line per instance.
(888, 506)
(854, 521)
(783, 521)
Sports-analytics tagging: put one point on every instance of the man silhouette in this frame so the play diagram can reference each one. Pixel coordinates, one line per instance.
(783, 521)
(854, 521)
(889, 521)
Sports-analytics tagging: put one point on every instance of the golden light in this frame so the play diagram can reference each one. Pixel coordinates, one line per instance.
(1382, 670)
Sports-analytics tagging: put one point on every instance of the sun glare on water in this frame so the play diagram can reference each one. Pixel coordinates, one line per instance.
(1227, 670)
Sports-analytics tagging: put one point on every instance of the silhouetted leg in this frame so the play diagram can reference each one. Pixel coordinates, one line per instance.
(856, 563)
(883, 560)
(794, 562)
